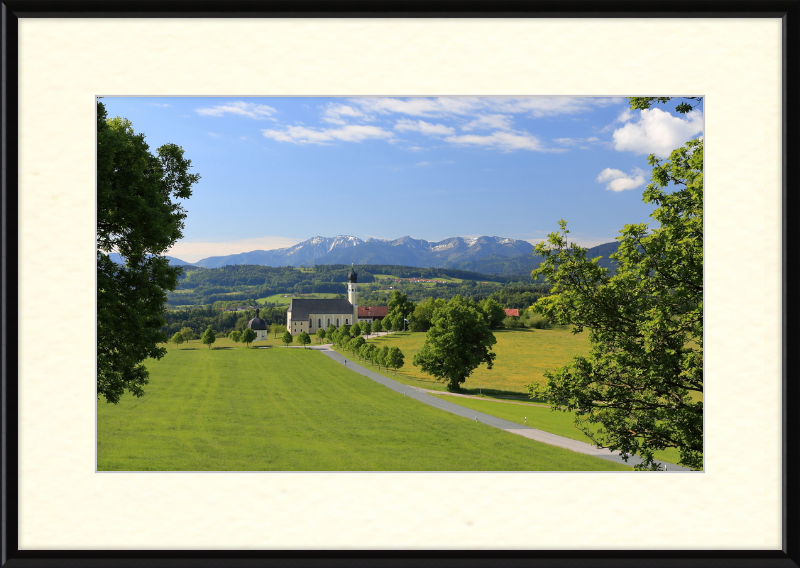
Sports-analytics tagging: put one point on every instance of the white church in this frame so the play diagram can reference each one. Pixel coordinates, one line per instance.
(311, 314)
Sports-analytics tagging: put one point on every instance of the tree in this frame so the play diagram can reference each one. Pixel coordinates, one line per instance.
(377, 327)
(637, 391)
(457, 342)
(330, 332)
(303, 339)
(236, 336)
(395, 358)
(366, 351)
(248, 335)
(137, 218)
(276, 328)
(399, 310)
(494, 312)
(366, 327)
(187, 334)
(356, 344)
(320, 335)
(177, 339)
(420, 319)
(355, 331)
(380, 356)
(287, 338)
(208, 337)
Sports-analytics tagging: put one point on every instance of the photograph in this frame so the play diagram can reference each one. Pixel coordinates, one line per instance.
(400, 283)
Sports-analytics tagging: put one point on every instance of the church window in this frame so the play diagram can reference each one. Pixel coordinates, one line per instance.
(345, 321)
(319, 323)
(337, 322)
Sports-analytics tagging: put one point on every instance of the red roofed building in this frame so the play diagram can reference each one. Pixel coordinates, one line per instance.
(372, 313)
(510, 313)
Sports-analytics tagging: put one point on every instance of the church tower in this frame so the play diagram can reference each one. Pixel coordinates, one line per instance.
(351, 293)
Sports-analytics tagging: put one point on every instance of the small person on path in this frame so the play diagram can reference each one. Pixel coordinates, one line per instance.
(345, 362)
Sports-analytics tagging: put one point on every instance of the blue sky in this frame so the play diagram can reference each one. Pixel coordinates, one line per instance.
(277, 170)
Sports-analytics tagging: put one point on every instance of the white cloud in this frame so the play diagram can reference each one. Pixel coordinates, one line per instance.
(404, 125)
(250, 110)
(422, 164)
(214, 134)
(489, 122)
(194, 250)
(334, 113)
(441, 106)
(350, 133)
(617, 180)
(159, 105)
(506, 141)
(657, 132)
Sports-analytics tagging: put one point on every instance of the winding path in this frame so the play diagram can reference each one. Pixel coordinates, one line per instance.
(512, 427)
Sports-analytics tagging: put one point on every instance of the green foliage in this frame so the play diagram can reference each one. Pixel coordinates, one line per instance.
(519, 297)
(356, 344)
(208, 337)
(366, 328)
(645, 322)
(331, 331)
(493, 312)
(420, 319)
(394, 358)
(235, 336)
(366, 351)
(377, 327)
(642, 103)
(303, 339)
(248, 335)
(320, 335)
(137, 218)
(458, 341)
(356, 330)
(399, 309)
(187, 333)
(276, 328)
(287, 338)
(177, 339)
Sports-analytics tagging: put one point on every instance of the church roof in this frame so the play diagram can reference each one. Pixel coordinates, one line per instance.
(352, 277)
(373, 311)
(257, 324)
(301, 308)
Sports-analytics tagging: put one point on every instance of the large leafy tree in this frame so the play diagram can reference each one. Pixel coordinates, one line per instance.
(139, 217)
(458, 341)
(639, 389)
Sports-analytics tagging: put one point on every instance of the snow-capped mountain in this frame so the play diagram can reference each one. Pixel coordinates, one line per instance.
(346, 249)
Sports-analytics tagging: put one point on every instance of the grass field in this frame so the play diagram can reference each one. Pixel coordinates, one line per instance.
(237, 409)
(279, 298)
(522, 358)
(541, 417)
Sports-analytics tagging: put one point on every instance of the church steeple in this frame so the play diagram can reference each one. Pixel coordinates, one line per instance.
(351, 292)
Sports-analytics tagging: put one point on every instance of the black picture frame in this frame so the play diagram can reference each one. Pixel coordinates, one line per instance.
(14, 10)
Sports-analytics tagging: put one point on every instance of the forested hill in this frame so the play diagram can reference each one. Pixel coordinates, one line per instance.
(240, 282)
(523, 264)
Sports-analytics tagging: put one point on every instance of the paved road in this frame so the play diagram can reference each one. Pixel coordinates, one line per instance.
(507, 425)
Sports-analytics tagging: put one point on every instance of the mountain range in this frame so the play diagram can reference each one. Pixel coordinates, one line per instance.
(487, 255)
(405, 251)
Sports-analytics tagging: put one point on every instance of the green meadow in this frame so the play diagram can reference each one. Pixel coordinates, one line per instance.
(235, 409)
(542, 418)
(523, 356)
(287, 298)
